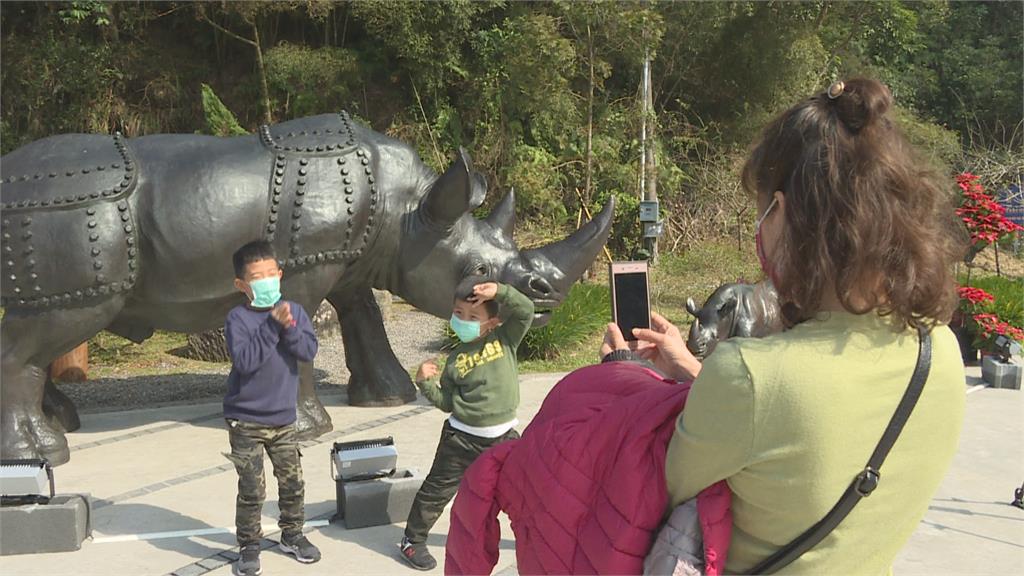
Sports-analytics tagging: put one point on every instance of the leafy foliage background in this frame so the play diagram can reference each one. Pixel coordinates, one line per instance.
(512, 82)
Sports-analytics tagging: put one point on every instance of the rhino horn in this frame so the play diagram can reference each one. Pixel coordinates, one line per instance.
(454, 193)
(573, 255)
(503, 217)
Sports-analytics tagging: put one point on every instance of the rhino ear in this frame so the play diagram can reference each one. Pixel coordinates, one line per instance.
(455, 193)
(503, 217)
(691, 307)
(727, 307)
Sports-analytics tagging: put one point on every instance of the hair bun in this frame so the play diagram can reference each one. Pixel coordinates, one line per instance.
(859, 102)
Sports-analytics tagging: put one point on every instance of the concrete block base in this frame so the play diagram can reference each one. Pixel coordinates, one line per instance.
(376, 502)
(59, 526)
(1001, 374)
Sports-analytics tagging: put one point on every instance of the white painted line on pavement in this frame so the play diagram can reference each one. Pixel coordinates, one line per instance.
(976, 388)
(189, 533)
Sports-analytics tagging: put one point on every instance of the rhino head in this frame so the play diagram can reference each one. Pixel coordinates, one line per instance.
(442, 243)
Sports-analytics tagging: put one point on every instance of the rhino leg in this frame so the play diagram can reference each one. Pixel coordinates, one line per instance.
(58, 407)
(378, 379)
(29, 341)
(311, 419)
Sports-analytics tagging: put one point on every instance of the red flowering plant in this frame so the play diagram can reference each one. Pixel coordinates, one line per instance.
(972, 301)
(984, 218)
(976, 322)
(989, 326)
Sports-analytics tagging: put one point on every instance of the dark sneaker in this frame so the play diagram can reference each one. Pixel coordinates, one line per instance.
(417, 555)
(248, 563)
(301, 548)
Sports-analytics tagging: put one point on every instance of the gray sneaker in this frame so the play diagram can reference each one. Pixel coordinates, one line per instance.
(301, 548)
(417, 555)
(248, 563)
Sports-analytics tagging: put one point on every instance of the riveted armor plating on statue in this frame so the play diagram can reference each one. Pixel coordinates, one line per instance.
(323, 193)
(73, 202)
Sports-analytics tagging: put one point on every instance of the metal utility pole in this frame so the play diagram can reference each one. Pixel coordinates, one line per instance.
(648, 163)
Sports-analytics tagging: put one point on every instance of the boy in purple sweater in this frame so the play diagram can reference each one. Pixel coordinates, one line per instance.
(266, 339)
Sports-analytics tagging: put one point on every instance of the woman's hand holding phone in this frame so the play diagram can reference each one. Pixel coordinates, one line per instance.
(613, 340)
(663, 346)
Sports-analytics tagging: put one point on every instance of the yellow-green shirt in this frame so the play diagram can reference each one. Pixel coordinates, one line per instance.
(480, 382)
(790, 419)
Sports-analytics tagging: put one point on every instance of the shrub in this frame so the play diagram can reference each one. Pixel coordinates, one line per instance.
(939, 146)
(1009, 298)
(538, 183)
(312, 80)
(585, 311)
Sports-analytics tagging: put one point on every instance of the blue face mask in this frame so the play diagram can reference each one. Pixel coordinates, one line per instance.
(265, 292)
(466, 330)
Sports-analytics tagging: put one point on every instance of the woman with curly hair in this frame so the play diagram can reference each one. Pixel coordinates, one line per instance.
(858, 239)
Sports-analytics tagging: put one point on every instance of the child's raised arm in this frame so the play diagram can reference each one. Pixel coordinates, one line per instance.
(516, 314)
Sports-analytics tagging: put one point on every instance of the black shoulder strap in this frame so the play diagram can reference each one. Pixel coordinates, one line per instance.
(868, 479)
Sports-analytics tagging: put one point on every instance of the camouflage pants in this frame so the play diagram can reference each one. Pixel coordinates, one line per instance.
(455, 452)
(248, 441)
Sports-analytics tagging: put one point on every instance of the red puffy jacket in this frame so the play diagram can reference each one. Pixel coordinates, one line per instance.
(584, 487)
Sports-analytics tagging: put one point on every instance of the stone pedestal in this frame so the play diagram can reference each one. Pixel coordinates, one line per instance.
(73, 366)
(208, 346)
(1001, 374)
(59, 526)
(377, 502)
(325, 321)
(383, 298)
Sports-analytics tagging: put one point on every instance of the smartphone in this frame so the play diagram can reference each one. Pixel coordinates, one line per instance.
(631, 302)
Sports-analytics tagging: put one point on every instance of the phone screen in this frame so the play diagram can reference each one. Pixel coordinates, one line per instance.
(632, 309)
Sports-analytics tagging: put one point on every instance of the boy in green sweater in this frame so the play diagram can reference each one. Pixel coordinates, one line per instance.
(480, 387)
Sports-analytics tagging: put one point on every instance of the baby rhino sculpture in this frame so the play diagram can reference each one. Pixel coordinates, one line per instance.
(745, 310)
(135, 235)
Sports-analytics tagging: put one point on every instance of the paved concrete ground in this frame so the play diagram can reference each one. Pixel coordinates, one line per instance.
(969, 527)
(156, 472)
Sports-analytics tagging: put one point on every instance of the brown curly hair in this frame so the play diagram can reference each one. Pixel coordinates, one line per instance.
(862, 214)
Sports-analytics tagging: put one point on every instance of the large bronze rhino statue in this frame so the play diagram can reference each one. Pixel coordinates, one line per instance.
(133, 235)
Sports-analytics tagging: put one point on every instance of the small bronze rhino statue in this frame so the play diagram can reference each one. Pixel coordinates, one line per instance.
(745, 310)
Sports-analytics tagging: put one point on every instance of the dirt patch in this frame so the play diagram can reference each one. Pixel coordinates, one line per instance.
(1010, 265)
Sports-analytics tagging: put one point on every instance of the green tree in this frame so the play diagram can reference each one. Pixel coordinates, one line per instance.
(312, 80)
(975, 51)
